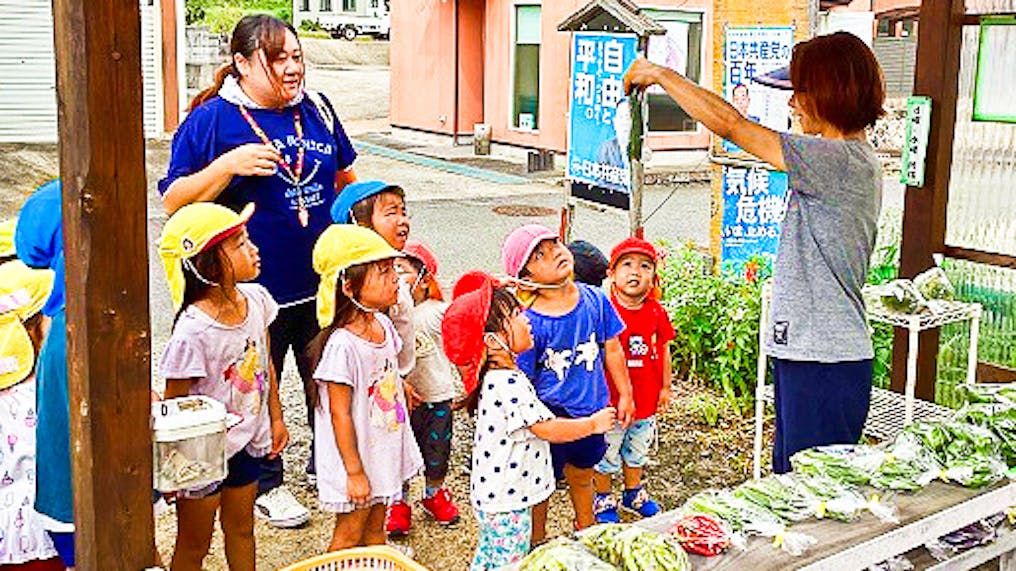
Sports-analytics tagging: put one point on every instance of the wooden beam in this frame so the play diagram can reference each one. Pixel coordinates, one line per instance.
(988, 373)
(102, 164)
(981, 257)
(170, 77)
(939, 39)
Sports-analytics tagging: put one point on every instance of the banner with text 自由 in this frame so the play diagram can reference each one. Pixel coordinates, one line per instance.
(599, 121)
(754, 203)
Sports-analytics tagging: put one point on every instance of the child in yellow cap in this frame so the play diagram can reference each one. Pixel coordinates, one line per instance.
(23, 292)
(219, 348)
(365, 450)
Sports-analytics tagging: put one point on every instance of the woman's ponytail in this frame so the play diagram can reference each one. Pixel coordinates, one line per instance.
(213, 90)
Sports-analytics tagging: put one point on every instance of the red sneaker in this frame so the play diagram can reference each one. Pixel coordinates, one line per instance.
(399, 519)
(441, 507)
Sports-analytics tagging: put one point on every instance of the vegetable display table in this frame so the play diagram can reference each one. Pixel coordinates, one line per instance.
(926, 515)
(889, 411)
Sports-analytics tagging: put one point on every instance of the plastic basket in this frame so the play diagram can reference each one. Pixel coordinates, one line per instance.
(378, 558)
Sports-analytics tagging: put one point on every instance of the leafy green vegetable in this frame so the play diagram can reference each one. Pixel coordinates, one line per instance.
(908, 465)
(845, 463)
(563, 554)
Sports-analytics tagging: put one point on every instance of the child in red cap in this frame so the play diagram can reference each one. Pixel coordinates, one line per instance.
(483, 331)
(575, 339)
(432, 378)
(645, 340)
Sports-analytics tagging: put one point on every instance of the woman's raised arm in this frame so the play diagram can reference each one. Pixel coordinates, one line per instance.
(710, 109)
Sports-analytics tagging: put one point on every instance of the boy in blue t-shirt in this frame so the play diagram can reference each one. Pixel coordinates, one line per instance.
(575, 331)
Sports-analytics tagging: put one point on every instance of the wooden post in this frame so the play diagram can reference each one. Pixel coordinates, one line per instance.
(939, 39)
(102, 164)
(170, 75)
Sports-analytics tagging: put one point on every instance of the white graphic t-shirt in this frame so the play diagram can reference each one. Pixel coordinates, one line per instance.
(229, 363)
(384, 439)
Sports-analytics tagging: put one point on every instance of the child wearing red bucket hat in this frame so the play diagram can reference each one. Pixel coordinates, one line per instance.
(483, 330)
(575, 339)
(646, 343)
(433, 379)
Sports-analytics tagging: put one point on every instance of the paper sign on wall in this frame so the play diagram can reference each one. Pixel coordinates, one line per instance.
(915, 148)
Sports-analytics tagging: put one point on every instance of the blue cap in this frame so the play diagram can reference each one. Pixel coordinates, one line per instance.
(777, 78)
(353, 193)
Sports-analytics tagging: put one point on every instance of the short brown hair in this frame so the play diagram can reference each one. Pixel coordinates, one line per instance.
(840, 79)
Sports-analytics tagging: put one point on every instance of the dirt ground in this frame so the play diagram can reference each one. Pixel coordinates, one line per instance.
(691, 455)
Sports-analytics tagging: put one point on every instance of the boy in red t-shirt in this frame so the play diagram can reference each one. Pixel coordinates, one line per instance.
(646, 343)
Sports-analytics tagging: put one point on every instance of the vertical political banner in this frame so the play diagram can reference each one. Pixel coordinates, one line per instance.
(599, 121)
(754, 204)
(752, 51)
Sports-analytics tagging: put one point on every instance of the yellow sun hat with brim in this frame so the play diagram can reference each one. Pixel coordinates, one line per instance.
(23, 293)
(192, 230)
(339, 247)
(7, 237)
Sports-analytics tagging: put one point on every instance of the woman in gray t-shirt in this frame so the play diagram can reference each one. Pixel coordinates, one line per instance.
(818, 338)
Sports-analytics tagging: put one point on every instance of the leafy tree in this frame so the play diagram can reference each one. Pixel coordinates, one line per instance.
(221, 15)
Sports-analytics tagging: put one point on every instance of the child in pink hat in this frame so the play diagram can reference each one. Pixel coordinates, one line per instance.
(575, 340)
(483, 330)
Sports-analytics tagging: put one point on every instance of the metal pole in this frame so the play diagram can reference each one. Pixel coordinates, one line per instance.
(455, 63)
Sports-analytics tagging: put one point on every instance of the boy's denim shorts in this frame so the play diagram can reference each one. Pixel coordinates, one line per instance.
(628, 445)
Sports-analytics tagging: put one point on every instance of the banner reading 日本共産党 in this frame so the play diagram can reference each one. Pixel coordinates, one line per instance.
(597, 132)
(749, 52)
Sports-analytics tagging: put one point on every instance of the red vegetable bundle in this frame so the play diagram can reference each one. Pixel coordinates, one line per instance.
(701, 534)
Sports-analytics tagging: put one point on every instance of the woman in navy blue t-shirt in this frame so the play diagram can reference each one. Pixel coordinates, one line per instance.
(257, 136)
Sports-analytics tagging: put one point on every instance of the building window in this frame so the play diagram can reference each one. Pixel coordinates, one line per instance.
(349, 5)
(885, 28)
(305, 5)
(326, 5)
(681, 50)
(526, 75)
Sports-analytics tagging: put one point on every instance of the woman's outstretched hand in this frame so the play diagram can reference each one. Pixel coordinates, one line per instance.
(641, 75)
(252, 159)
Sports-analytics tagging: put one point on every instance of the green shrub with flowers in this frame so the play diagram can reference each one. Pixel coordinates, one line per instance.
(716, 320)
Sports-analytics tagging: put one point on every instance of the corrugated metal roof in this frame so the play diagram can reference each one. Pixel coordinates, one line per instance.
(28, 111)
(594, 15)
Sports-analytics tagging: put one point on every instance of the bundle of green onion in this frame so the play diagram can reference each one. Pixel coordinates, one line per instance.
(780, 496)
(836, 500)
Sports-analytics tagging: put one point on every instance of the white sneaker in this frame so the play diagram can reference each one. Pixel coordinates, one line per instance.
(281, 509)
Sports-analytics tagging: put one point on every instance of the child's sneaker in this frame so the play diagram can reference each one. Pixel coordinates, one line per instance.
(281, 508)
(441, 507)
(638, 501)
(399, 519)
(605, 508)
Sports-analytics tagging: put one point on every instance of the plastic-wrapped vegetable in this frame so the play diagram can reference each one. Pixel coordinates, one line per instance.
(970, 454)
(976, 534)
(779, 496)
(853, 464)
(908, 465)
(901, 296)
(934, 284)
(702, 534)
(633, 548)
(842, 501)
(563, 554)
(1000, 418)
(749, 519)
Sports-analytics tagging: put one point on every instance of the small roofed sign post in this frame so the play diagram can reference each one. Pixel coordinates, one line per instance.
(102, 165)
(606, 128)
